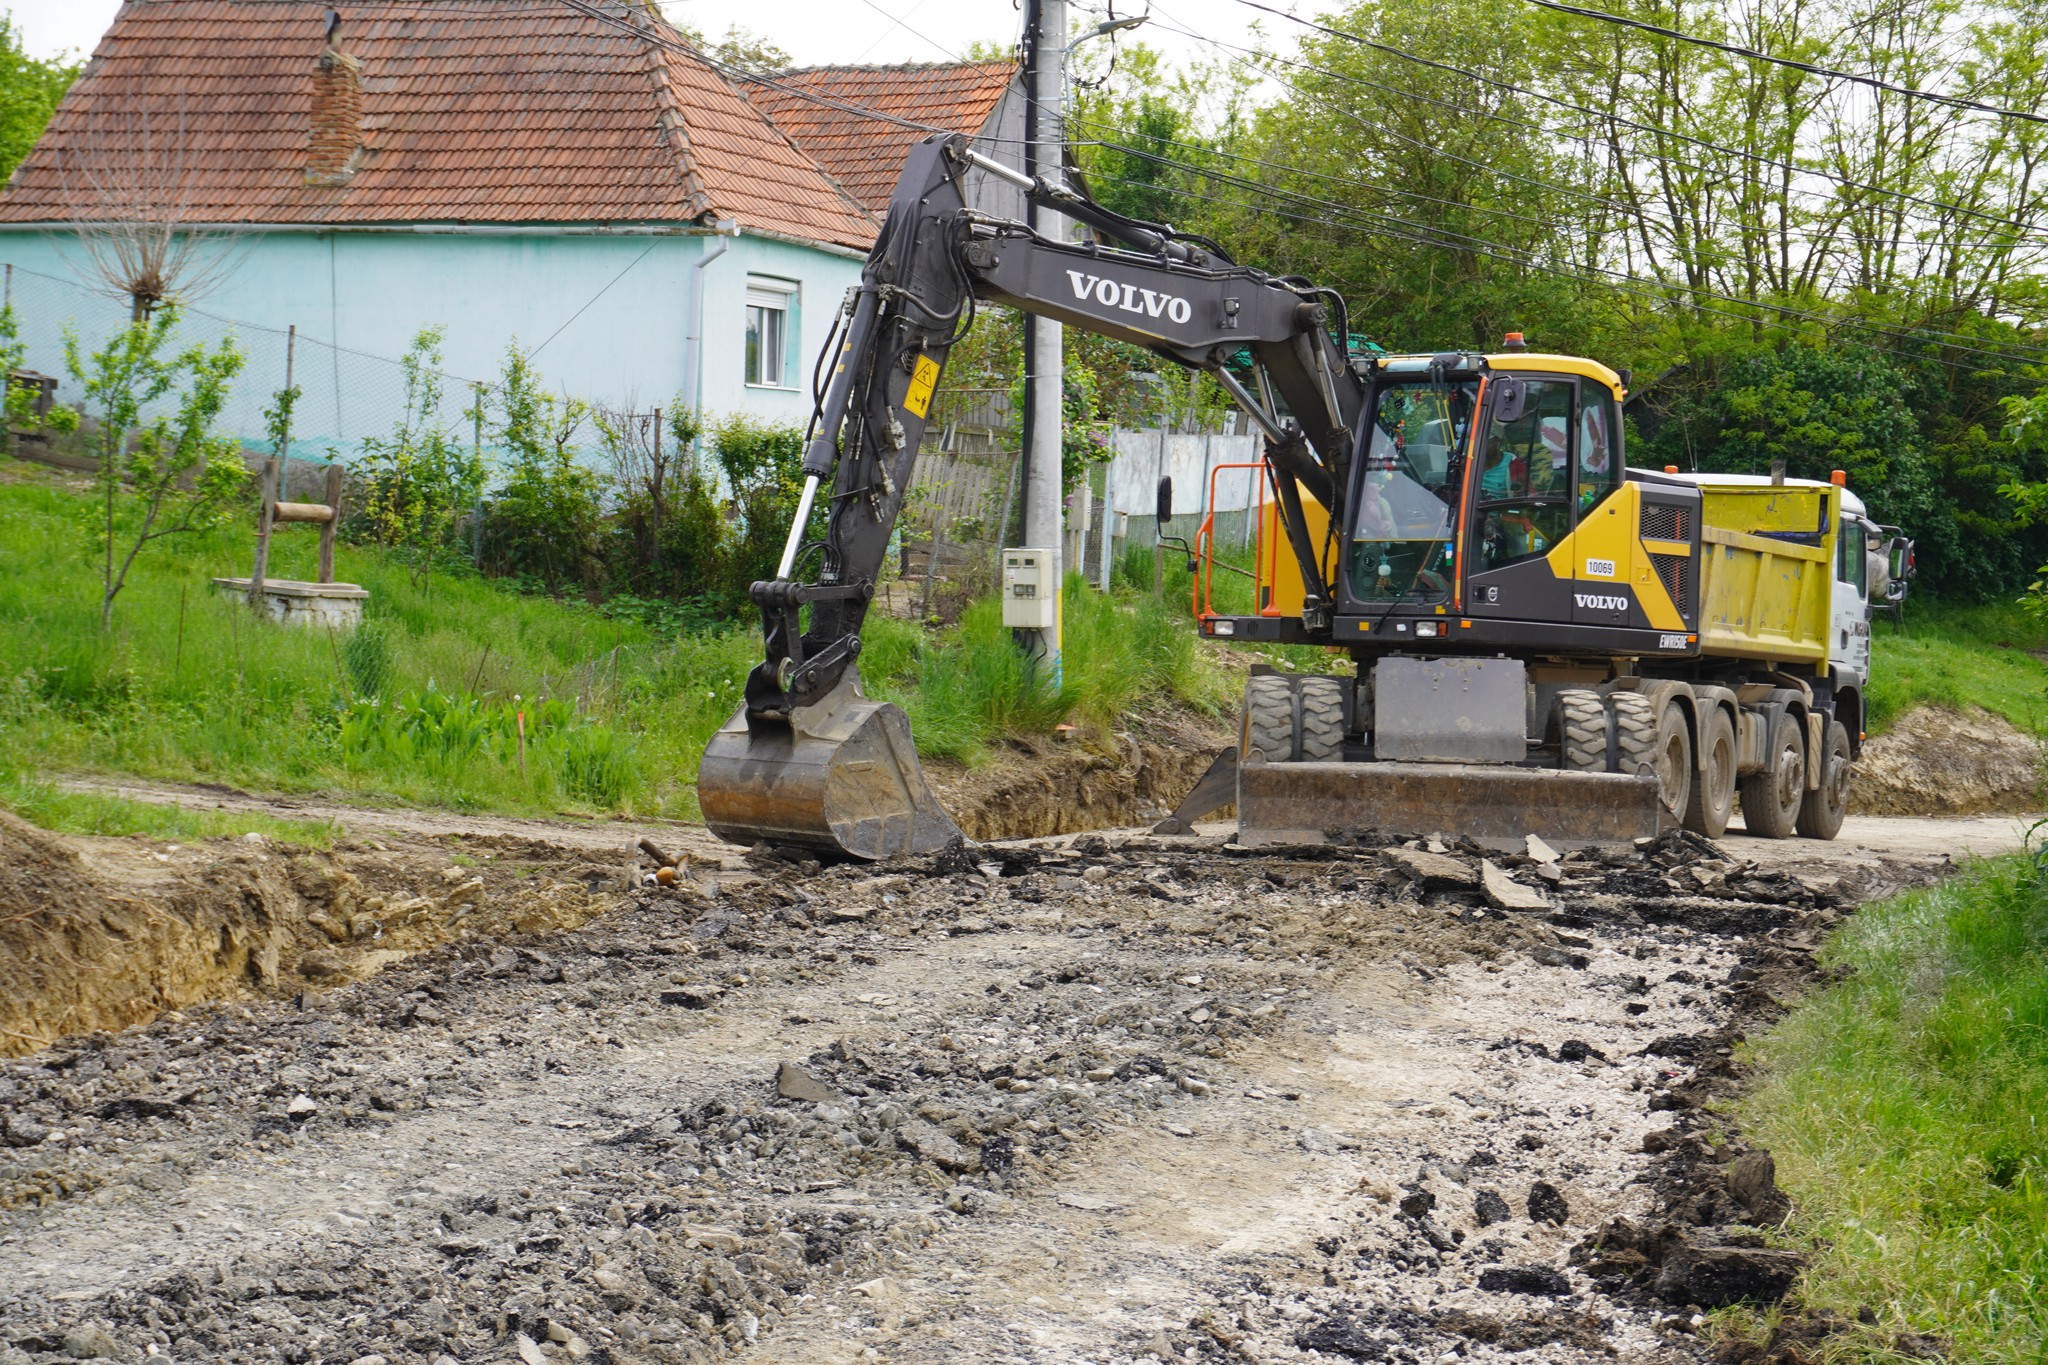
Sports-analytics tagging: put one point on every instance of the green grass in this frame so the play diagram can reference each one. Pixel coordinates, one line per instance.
(1907, 1107)
(70, 812)
(423, 705)
(965, 687)
(188, 687)
(1230, 593)
(1992, 656)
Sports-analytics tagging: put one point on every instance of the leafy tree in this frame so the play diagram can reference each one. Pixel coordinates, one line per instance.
(29, 91)
(419, 479)
(175, 476)
(740, 47)
(1819, 410)
(547, 517)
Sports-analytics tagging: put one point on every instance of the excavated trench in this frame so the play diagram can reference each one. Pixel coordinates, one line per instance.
(100, 934)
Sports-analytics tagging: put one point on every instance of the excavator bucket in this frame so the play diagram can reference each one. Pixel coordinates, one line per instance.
(840, 777)
(1496, 805)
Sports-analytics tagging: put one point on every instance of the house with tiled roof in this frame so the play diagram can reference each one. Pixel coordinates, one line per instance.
(822, 110)
(570, 176)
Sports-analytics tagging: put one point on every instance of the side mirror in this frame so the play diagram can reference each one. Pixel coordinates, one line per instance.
(1510, 396)
(1164, 509)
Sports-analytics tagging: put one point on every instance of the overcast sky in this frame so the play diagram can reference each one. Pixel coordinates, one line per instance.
(814, 32)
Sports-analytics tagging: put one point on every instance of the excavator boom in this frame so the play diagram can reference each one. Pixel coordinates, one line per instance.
(807, 758)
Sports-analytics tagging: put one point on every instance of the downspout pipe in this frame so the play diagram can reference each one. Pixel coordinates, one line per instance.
(693, 340)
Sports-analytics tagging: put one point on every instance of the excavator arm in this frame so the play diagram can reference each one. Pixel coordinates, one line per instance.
(807, 759)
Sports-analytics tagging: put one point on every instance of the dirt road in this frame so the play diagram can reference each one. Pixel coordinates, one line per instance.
(1112, 1101)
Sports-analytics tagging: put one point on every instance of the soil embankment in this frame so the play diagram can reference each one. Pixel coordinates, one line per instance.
(101, 934)
(1037, 789)
(1937, 761)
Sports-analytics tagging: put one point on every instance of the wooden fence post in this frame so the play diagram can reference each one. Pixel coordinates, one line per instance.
(264, 518)
(327, 528)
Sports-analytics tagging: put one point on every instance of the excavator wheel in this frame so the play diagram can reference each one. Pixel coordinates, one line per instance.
(1267, 729)
(1322, 719)
(1822, 810)
(1713, 793)
(1581, 730)
(1771, 798)
(1293, 720)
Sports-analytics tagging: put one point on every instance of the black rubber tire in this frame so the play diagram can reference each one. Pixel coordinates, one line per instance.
(1713, 790)
(1771, 798)
(1322, 719)
(1635, 732)
(1268, 726)
(1672, 758)
(1822, 811)
(1581, 731)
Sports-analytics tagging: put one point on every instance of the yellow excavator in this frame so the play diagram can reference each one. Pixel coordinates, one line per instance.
(1543, 640)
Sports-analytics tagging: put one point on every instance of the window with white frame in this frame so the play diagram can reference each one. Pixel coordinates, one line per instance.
(769, 306)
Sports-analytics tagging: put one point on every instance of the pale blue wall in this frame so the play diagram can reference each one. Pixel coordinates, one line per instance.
(368, 293)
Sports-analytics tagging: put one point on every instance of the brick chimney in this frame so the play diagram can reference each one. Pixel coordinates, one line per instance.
(337, 141)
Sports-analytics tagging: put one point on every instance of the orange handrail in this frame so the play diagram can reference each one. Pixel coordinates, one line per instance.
(1201, 591)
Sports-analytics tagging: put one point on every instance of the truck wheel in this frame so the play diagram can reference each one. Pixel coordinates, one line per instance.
(1268, 728)
(1821, 811)
(1322, 720)
(1713, 793)
(1653, 737)
(1771, 798)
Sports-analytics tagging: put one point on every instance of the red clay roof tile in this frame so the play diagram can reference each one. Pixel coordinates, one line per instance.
(472, 111)
(866, 154)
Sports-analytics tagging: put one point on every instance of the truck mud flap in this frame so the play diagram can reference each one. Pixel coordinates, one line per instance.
(840, 777)
(1499, 806)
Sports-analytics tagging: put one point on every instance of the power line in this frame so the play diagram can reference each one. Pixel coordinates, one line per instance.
(1612, 278)
(1609, 116)
(1249, 58)
(1250, 160)
(593, 299)
(1933, 96)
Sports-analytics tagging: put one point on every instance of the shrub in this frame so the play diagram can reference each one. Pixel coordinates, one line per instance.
(419, 479)
(547, 520)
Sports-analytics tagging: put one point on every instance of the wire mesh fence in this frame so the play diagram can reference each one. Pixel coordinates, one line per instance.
(344, 395)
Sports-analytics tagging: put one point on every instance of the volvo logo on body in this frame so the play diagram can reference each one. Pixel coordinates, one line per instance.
(1596, 602)
(1129, 297)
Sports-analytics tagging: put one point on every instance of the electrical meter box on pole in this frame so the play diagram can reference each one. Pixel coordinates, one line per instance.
(1030, 598)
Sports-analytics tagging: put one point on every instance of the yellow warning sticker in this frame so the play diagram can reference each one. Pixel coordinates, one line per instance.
(923, 379)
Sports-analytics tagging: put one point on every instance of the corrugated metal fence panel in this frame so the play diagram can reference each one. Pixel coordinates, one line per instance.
(1143, 456)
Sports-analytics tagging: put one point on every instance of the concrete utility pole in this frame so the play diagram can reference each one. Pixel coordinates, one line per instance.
(1045, 84)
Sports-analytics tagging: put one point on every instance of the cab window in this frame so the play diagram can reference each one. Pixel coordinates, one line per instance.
(1401, 537)
(1851, 563)
(1599, 470)
(1525, 478)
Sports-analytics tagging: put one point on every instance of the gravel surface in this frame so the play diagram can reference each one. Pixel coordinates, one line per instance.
(1109, 1101)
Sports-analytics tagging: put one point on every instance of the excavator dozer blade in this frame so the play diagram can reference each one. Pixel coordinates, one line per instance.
(1499, 806)
(840, 777)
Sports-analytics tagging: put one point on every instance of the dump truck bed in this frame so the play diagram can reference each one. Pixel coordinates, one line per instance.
(1767, 557)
